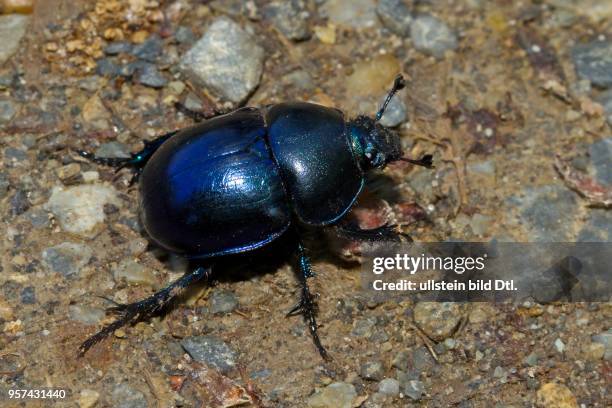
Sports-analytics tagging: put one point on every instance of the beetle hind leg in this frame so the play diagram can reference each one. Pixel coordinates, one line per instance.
(306, 306)
(133, 312)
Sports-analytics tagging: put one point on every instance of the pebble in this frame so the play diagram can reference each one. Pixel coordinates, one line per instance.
(364, 327)
(414, 389)
(226, 59)
(223, 301)
(12, 29)
(80, 208)
(395, 114)
(605, 338)
(118, 47)
(389, 386)
(85, 314)
(113, 149)
(28, 295)
(422, 361)
(351, 13)
(69, 172)
(597, 226)
(432, 36)
(124, 396)
(559, 345)
(593, 61)
(88, 398)
(531, 360)
(149, 50)
(6, 310)
(133, 273)
(395, 15)
(212, 351)
(4, 184)
(373, 77)
(184, 35)
(290, 17)
(107, 68)
(605, 99)
(7, 111)
(95, 114)
(400, 361)
(372, 370)
(335, 395)
(544, 211)
(148, 75)
(553, 395)
(19, 203)
(438, 320)
(594, 351)
(601, 158)
(66, 258)
(14, 155)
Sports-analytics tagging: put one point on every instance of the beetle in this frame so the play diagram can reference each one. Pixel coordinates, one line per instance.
(241, 180)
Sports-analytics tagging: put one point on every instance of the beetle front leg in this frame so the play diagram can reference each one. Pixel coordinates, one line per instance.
(137, 160)
(145, 308)
(386, 232)
(306, 306)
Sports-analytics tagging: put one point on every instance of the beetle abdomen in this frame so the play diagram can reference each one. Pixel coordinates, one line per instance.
(316, 161)
(214, 189)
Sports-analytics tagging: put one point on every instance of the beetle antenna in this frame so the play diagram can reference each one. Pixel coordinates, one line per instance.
(425, 161)
(398, 84)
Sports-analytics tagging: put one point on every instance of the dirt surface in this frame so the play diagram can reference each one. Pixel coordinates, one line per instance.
(495, 109)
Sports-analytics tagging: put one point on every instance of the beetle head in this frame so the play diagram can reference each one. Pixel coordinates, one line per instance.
(375, 145)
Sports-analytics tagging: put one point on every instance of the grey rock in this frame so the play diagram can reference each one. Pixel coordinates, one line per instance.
(601, 158)
(364, 327)
(212, 351)
(531, 360)
(290, 17)
(66, 258)
(300, 79)
(422, 361)
(4, 184)
(438, 320)
(28, 295)
(107, 68)
(395, 15)
(226, 59)
(7, 111)
(389, 386)
(85, 314)
(543, 210)
(372, 370)
(124, 396)
(605, 99)
(593, 61)
(605, 338)
(597, 226)
(12, 29)
(184, 35)
(395, 114)
(113, 149)
(400, 361)
(351, 13)
(432, 36)
(149, 50)
(335, 395)
(149, 76)
(118, 47)
(414, 389)
(193, 103)
(19, 203)
(223, 301)
(12, 154)
(133, 272)
(90, 83)
(236, 8)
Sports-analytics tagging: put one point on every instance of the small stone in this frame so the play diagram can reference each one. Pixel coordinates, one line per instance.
(124, 396)
(223, 301)
(12, 29)
(499, 372)
(594, 351)
(79, 209)
(66, 258)
(432, 36)
(134, 273)
(373, 77)
(531, 360)
(400, 361)
(113, 149)
(184, 35)
(395, 15)
(19, 203)
(290, 17)
(85, 314)
(364, 327)
(118, 47)
(149, 50)
(389, 386)
(438, 320)
(212, 351)
(335, 395)
(326, 34)
(95, 114)
(593, 61)
(226, 59)
(395, 114)
(107, 68)
(553, 395)
(414, 389)
(68, 172)
(605, 99)
(422, 361)
(28, 295)
(6, 311)
(601, 158)
(372, 370)
(14, 155)
(7, 111)
(149, 76)
(559, 345)
(351, 13)
(88, 398)
(176, 87)
(605, 338)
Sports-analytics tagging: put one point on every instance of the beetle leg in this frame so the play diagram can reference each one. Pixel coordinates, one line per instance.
(306, 305)
(386, 232)
(130, 313)
(137, 160)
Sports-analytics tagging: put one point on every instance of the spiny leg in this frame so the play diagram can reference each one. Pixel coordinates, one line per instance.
(137, 160)
(386, 232)
(306, 306)
(137, 311)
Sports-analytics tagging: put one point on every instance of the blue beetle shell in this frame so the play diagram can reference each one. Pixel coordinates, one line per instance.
(215, 189)
(317, 163)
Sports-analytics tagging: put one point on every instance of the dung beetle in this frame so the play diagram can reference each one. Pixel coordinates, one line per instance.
(240, 180)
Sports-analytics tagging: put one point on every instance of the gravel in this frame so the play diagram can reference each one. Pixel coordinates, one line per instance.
(290, 17)
(150, 50)
(389, 386)
(12, 29)
(133, 272)
(395, 15)
(438, 320)
(67, 258)
(335, 395)
(395, 114)
(605, 338)
(414, 390)
(601, 158)
(432, 36)
(124, 396)
(148, 75)
(7, 111)
(223, 301)
(113, 149)
(351, 13)
(372, 370)
(85, 314)
(227, 59)
(212, 351)
(593, 61)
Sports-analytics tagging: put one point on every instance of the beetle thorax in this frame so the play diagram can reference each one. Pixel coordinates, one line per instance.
(373, 145)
